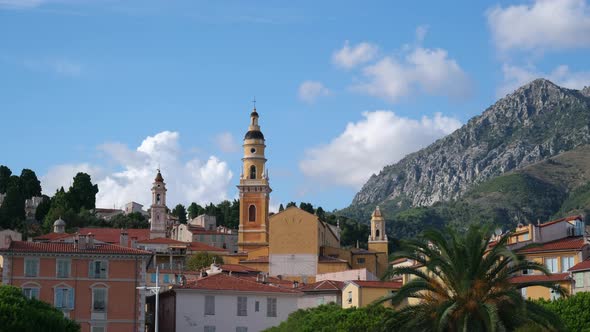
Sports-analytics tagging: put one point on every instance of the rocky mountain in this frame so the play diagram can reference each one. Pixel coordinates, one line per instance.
(537, 121)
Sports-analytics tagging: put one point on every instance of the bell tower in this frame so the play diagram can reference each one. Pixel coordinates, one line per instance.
(158, 210)
(254, 190)
(378, 241)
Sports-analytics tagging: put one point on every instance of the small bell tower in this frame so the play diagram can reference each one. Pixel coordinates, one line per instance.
(254, 190)
(158, 210)
(378, 241)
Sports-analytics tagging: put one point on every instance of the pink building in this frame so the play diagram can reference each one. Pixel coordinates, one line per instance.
(92, 283)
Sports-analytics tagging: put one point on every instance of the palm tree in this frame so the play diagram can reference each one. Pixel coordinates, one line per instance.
(462, 284)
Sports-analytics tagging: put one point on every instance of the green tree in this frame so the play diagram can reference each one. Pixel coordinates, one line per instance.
(43, 208)
(572, 310)
(201, 260)
(291, 204)
(82, 193)
(306, 207)
(12, 211)
(194, 210)
(331, 317)
(19, 314)
(30, 185)
(180, 212)
(5, 174)
(131, 220)
(281, 207)
(320, 213)
(463, 285)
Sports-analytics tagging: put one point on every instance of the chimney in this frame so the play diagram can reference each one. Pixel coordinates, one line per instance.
(81, 242)
(134, 242)
(295, 284)
(124, 238)
(90, 241)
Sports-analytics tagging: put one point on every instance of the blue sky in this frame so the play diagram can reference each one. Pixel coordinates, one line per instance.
(116, 88)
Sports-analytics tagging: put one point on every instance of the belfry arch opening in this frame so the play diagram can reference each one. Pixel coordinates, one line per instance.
(377, 233)
(252, 213)
(252, 172)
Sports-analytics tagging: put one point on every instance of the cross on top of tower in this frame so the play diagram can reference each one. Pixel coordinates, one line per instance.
(254, 103)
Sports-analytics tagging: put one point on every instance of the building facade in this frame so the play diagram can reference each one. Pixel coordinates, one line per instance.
(91, 283)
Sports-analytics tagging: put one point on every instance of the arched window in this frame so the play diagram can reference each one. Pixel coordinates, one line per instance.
(157, 198)
(377, 233)
(252, 172)
(252, 213)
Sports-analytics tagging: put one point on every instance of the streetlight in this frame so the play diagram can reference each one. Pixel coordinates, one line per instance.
(155, 290)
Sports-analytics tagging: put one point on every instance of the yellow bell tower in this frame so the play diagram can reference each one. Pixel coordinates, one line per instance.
(378, 241)
(254, 190)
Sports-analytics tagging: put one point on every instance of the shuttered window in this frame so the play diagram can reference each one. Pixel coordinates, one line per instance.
(63, 267)
(271, 307)
(209, 305)
(31, 267)
(242, 306)
(31, 292)
(64, 298)
(99, 299)
(98, 269)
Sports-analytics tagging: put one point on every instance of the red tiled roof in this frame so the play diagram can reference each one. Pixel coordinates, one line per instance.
(539, 277)
(60, 247)
(328, 259)
(378, 284)
(221, 282)
(53, 237)
(261, 259)
(200, 246)
(570, 218)
(113, 235)
(237, 268)
(201, 230)
(583, 265)
(568, 243)
(163, 240)
(324, 285)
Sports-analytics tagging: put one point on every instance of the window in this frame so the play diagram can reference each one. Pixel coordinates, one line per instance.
(523, 292)
(257, 306)
(63, 267)
(99, 299)
(567, 263)
(579, 279)
(350, 297)
(208, 328)
(33, 292)
(271, 307)
(31, 267)
(98, 269)
(241, 329)
(202, 238)
(252, 172)
(242, 306)
(158, 199)
(166, 279)
(554, 295)
(153, 278)
(98, 329)
(551, 264)
(64, 298)
(209, 305)
(252, 213)
(360, 260)
(526, 237)
(377, 233)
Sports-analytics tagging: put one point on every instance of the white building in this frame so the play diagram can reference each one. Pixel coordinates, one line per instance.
(204, 229)
(220, 303)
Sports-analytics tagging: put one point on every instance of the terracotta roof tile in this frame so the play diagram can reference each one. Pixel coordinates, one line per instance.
(200, 246)
(237, 268)
(60, 247)
(223, 282)
(53, 237)
(378, 284)
(568, 243)
(163, 240)
(570, 218)
(539, 277)
(583, 265)
(324, 285)
(113, 235)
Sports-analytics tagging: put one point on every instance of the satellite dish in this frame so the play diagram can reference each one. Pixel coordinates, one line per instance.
(498, 231)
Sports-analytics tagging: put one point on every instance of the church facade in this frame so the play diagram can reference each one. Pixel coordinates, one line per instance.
(293, 243)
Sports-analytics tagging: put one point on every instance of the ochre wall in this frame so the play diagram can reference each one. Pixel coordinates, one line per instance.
(327, 267)
(294, 231)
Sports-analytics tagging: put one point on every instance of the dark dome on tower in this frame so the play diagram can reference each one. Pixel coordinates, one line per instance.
(254, 134)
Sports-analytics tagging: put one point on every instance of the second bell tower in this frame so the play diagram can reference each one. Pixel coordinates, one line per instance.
(254, 190)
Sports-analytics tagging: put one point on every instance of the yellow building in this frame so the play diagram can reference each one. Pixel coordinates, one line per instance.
(361, 293)
(293, 243)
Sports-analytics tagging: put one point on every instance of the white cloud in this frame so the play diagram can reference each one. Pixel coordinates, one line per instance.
(187, 181)
(543, 24)
(350, 57)
(310, 91)
(516, 76)
(226, 142)
(365, 147)
(424, 70)
(20, 4)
